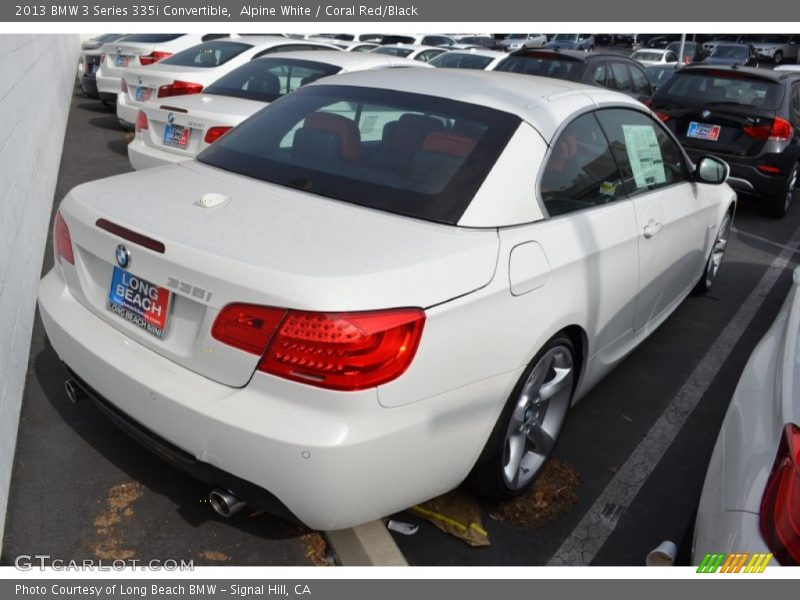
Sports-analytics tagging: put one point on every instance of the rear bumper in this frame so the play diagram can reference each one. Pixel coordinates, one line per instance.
(143, 156)
(89, 86)
(126, 112)
(333, 459)
(107, 85)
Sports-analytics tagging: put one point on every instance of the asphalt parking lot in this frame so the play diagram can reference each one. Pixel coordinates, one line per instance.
(81, 489)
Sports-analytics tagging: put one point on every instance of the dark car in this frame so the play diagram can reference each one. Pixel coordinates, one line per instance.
(90, 60)
(748, 117)
(658, 75)
(732, 54)
(572, 41)
(692, 51)
(658, 41)
(602, 69)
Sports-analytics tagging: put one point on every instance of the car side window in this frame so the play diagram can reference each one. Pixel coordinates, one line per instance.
(580, 171)
(648, 157)
(641, 86)
(619, 79)
(599, 74)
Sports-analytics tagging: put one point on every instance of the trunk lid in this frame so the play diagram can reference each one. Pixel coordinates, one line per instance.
(266, 245)
(190, 117)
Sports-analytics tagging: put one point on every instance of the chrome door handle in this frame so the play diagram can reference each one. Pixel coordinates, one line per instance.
(652, 229)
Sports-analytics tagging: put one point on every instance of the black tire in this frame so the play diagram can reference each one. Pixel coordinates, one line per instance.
(487, 478)
(778, 206)
(778, 58)
(715, 256)
(106, 103)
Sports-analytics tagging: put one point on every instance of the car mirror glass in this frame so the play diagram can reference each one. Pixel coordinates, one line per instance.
(711, 170)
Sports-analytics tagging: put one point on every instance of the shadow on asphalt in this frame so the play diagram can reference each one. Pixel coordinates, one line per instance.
(140, 465)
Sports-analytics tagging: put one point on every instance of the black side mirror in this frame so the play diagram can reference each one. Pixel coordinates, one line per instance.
(711, 169)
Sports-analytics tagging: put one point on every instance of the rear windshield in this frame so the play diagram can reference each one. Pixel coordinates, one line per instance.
(658, 75)
(415, 155)
(645, 55)
(456, 60)
(546, 65)
(721, 88)
(267, 79)
(207, 55)
(729, 51)
(151, 38)
(401, 52)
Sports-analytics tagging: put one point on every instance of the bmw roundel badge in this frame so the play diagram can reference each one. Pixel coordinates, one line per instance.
(170, 118)
(705, 114)
(123, 256)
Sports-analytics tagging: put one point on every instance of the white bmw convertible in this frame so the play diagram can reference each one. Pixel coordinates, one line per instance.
(381, 285)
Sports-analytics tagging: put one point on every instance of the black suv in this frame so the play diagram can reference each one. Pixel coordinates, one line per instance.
(601, 69)
(748, 117)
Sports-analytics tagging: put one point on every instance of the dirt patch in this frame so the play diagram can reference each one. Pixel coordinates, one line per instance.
(316, 549)
(215, 556)
(128, 137)
(109, 525)
(554, 492)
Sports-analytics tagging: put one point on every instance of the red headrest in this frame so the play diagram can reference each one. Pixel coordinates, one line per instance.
(448, 143)
(341, 126)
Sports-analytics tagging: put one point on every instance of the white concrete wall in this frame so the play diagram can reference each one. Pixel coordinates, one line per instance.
(37, 74)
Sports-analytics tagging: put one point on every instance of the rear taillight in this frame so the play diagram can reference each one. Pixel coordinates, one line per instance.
(780, 130)
(179, 88)
(153, 57)
(214, 133)
(62, 240)
(340, 351)
(123, 86)
(780, 505)
(662, 115)
(769, 169)
(248, 327)
(141, 121)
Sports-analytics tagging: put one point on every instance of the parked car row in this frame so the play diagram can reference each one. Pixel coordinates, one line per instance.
(290, 311)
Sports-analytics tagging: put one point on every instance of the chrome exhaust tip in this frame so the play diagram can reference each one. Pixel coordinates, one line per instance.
(74, 392)
(224, 503)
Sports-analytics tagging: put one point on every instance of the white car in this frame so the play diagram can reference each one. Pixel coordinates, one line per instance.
(137, 49)
(751, 496)
(518, 41)
(419, 39)
(777, 47)
(650, 57)
(412, 51)
(381, 285)
(177, 131)
(188, 72)
(473, 58)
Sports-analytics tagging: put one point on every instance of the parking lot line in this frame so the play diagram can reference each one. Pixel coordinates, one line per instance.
(369, 544)
(764, 240)
(585, 541)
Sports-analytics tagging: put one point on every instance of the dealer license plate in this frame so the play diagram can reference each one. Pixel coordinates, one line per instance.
(138, 301)
(703, 131)
(143, 94)
(176, 136)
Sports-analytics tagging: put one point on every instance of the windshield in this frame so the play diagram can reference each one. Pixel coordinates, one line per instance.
(207, 55)
(518, 36)
(645, 55)
(717, 87)
(457, 60)
(566, 37)
(658, 75)
(729, 51)
(267, 79)
(688, 47)
(411, 154)
(545, 65)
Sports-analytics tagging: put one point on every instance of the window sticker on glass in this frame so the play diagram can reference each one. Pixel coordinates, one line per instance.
(645, 155)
